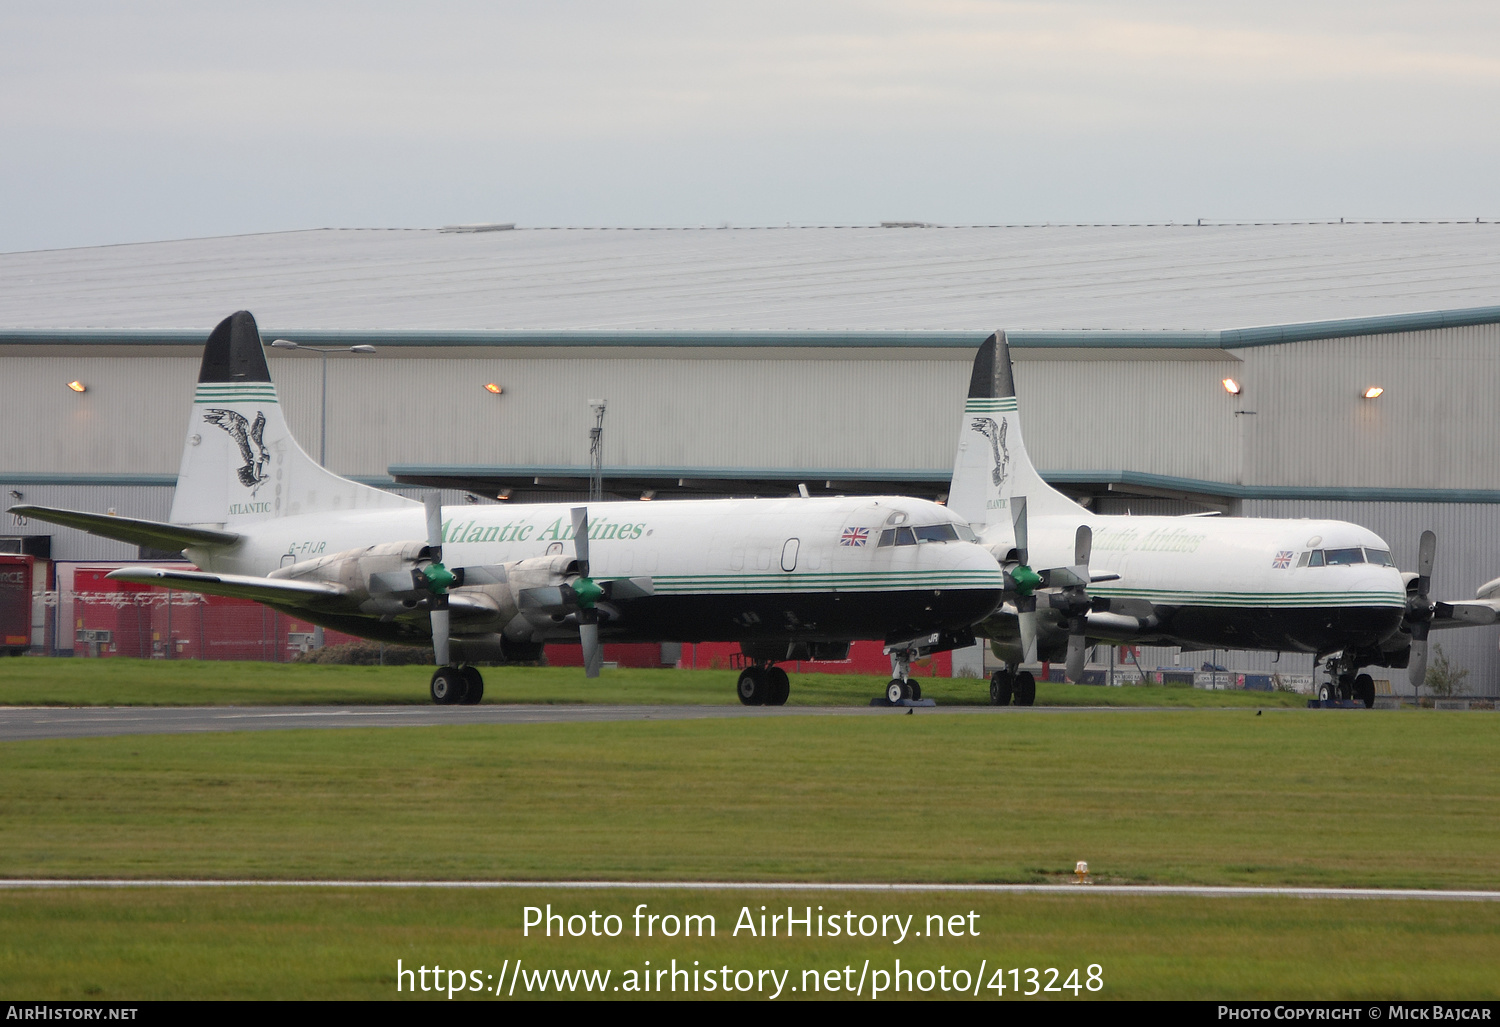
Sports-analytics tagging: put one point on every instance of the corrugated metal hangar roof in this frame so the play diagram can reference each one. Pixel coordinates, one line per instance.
(809, 279)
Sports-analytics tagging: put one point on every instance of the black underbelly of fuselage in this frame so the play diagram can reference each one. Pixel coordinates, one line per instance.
(1288, 629)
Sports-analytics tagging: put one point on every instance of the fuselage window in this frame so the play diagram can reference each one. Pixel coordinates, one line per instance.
(1315, 558)
(1343, 557)
(904, 537)
(1379, 557)
(936, 533)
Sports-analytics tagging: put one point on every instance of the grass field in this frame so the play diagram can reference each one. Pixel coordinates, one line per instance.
(125, 682)
(1300, 797)
(86, 944)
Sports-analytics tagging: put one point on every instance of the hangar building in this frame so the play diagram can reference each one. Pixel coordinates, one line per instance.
(740, 361)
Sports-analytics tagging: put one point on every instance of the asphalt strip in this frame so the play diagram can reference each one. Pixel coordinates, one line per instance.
(1200, 891)
(21, 723)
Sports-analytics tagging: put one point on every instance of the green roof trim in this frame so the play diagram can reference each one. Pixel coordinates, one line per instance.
(1229, 338)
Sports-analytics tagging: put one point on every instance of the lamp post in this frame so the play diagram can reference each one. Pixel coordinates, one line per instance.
(323, 352)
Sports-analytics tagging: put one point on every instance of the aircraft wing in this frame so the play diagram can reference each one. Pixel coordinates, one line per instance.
(155, 534)
(310, 595)
(1466, 613)
(281, 591)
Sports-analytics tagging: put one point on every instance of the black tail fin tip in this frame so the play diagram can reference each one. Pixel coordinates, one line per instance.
(234, 352)
(992, 378)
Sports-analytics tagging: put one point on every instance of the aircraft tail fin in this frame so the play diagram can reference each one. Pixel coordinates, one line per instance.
(240, 463)
(992, 465)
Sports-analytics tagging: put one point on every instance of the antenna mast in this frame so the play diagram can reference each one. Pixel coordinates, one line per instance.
(596, 451)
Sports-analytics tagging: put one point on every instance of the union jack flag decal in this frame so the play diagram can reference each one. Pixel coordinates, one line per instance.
(854, 537)
(1283, 559)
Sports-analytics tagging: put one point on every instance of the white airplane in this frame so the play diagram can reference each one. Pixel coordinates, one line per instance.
(1308, 586)
(793, 578)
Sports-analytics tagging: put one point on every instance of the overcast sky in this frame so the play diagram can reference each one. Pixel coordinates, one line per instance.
(123, 122)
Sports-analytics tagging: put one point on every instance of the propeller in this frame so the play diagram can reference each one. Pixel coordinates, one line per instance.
(586, 594)
(1024, 581)
(437, 579)
(1420, 609)
(1078, 603)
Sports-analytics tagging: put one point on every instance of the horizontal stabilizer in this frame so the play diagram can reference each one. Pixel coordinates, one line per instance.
(155, 534)
(282, 591)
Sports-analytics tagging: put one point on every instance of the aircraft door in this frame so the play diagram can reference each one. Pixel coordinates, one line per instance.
(789, 555)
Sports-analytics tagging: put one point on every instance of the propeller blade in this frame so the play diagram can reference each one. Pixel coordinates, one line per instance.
(581, 539)
(440, 636)
(1026, 619)
(1416, 666)
(593, 652)
(1076, 654)
(1018, 522)
(1426, 553)
(434, 506)
(1083, 545)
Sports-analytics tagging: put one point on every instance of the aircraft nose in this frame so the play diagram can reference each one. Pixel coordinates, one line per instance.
(971, 577)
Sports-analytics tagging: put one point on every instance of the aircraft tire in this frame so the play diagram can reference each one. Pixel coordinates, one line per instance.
(1364, 690)
(1325, 692)
(751, 686)
(778, 686)
(474, 686)
(448, 686)
(1000, 688)
(895, 691)
(1025, 689)
(915, 687)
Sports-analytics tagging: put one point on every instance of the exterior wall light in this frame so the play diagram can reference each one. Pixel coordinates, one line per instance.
(503, 494)
(647, 495)
(1373, 392)
(1231, 386)
(78, 386)
(493, 389)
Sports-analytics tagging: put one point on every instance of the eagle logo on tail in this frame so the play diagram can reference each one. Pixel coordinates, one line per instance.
(995, 432)
(253, 473)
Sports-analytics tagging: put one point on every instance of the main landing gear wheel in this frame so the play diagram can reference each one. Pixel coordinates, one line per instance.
(1025, 689)
(474, 686)
(1000, 687)
(778, 686)
(753, 688)
(1364, 690)
(448, 686)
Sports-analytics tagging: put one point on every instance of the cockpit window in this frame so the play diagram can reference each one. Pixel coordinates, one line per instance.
(1341, 557)
(887, 538)
(904, 537)
(1315, 558)
(1380, 557)
(936, 533)
(967, 534)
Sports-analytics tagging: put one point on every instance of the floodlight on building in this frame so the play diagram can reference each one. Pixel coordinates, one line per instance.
(78, 386)
(493, 389)
(1231, 386)
(1373, 392)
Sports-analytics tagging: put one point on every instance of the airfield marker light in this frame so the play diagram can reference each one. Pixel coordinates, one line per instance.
(78, 386)
(493, 389)
(1231, 386)
(1081, 872)
(1373, 392)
